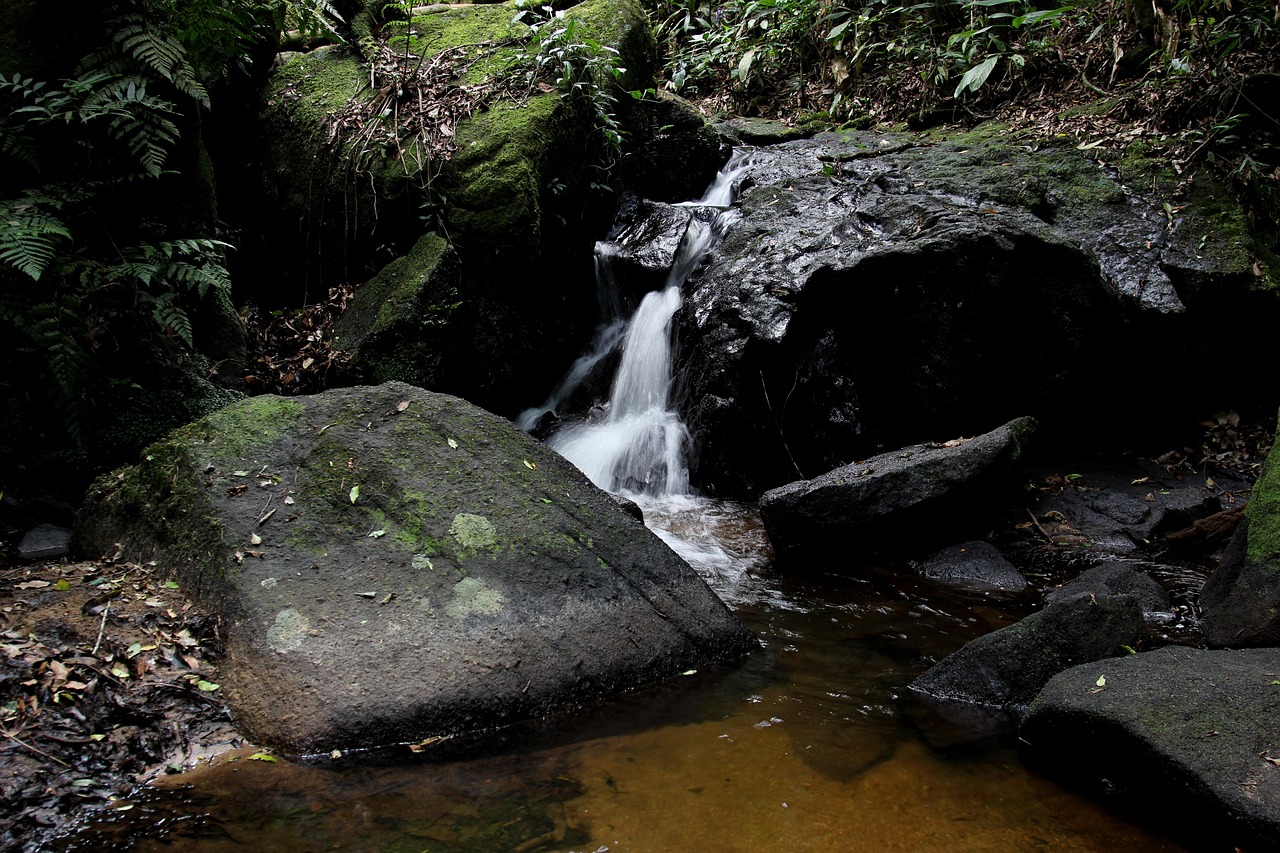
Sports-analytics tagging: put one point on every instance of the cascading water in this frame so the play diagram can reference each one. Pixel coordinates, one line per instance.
(638, 445)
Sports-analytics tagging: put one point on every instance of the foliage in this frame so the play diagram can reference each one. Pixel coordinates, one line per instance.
(104, 257)
(581, 67)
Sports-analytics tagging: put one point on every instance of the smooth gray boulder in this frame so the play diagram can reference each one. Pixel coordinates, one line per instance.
(1008, 667)
(930, 487)
(1186, 732)
(976, 565)
(44, 541)
(393, 565)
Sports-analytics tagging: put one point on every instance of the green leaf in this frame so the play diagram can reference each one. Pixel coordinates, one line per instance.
(62, 585)
(976, 76)
(355, 493)
(170, 584)
(207, 686)
(262, 756)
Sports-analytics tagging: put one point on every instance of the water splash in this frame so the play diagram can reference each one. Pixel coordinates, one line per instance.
(638, 445)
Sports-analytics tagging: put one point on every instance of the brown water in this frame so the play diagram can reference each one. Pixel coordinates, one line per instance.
(809, 744)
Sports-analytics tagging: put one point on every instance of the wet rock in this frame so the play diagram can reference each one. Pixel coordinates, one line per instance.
(673, 152)
(1177, 731)
(1241, 600)
(393, 565)
(977, 565)
(926, 489)
(880, 290)
(1008, 667)
(1117, 578)
(45, 541)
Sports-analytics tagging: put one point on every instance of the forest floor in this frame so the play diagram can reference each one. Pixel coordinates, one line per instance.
(108, 682)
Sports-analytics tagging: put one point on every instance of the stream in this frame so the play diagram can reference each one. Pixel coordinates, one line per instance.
(810, 743)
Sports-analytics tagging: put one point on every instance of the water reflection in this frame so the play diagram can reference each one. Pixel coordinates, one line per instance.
(807, 745)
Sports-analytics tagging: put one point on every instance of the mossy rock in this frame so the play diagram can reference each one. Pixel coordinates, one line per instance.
(1241, 600)
(393, 565)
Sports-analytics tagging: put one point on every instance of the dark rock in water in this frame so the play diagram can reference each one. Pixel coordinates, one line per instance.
(879, 290)
(1008, 667)
(393, 565)
(44, 542)
(1241, 600)
(977, 565)
(930, 488)
(1178, 731)
(742, 130)
(1117, 578)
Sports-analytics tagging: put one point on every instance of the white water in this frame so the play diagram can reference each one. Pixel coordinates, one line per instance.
(637, 447)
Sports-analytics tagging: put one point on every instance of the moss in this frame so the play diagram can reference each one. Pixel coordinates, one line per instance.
(256, 421)
(477, 27)
(1263, 512)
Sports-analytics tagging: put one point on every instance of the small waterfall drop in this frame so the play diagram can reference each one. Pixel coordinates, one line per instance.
(637, 445)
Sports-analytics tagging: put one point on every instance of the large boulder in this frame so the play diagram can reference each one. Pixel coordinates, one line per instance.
(1241, 600)
(392, 565)
(882, 289)
(925, 489)
(513, 177)
(1008, 667)
(1182, 731)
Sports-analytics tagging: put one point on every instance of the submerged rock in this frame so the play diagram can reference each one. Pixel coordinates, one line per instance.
(926, 487)
(1180, 731)
(976, 565)
(393, 565)
(1117, 578)
(1008, 667)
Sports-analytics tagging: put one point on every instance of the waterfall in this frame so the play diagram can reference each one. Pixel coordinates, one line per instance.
(638, 444)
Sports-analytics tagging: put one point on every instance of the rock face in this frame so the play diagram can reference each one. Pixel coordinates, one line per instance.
(930, 487)
(1241, 601)
(393, 564)
(1183, 731)
(1008, 667)
(880, 290)
(976, 565)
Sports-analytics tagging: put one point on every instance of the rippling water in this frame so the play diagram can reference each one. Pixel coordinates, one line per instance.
(808, 744)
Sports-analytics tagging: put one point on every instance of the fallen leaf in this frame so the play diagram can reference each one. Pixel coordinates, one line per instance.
(453, 443)
(255, 539)
(355, 493)
(62, 585)
(34, 584)
(530, 465)
(377, 534)
(387, 598)
(1102, 681)
(170, 584)
(402, 405)
(262, 756)
(207, 686)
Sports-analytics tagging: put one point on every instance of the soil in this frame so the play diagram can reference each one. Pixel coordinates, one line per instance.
(109, 681)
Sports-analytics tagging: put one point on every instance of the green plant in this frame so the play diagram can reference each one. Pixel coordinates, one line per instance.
(580, 67)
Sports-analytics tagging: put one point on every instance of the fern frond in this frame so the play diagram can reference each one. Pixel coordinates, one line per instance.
(159, 52)
(170, 317)
(29, 236)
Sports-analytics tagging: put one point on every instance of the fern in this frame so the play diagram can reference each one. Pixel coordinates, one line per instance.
(171, 318)
(29, 235)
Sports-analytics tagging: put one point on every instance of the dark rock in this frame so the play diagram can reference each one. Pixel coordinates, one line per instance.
(673, 152)
(1008, 667)
(978, 565)
(1176, 731)
(1117, 578)
(926, 488)
(1126, 511)
(1240, 603)
(392, 564)
(44, 542)
(879, 290)
(760, 131)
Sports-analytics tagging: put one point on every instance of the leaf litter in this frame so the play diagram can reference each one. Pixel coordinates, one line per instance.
(109, 680)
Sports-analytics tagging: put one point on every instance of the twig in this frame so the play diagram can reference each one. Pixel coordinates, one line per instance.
(36, 750)
(101, 629)
(1043, 532)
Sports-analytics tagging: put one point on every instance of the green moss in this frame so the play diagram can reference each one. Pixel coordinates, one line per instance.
(1263, 513)
(253, 422)
(479, 28)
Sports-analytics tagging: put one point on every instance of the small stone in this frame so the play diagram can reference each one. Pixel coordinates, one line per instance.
(44, 542)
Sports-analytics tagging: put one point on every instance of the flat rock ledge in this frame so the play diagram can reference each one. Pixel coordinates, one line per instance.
(396, 566)
(1176, 731)
(931, 487)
